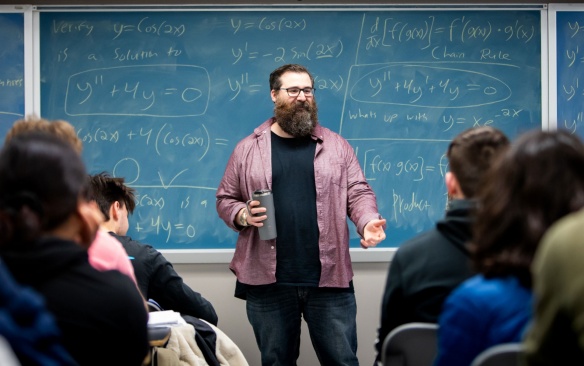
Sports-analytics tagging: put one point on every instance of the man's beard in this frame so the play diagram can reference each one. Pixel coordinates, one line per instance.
(297, 119)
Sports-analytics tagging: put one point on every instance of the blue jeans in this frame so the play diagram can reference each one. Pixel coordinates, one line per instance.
(275, 313)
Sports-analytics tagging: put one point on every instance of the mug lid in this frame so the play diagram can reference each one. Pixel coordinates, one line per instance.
(262, 192)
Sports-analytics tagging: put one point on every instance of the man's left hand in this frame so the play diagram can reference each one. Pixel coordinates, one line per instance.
(373, 233)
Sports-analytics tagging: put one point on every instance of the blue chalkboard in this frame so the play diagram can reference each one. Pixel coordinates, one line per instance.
(11, 69)
(162, 97)
(570, 70)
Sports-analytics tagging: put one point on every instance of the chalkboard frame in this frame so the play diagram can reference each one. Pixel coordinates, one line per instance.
(358, 254)
(27, 29)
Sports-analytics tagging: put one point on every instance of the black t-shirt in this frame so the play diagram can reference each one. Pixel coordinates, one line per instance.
(294, 190)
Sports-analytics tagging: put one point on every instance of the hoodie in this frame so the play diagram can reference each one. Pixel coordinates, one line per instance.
(424, 271)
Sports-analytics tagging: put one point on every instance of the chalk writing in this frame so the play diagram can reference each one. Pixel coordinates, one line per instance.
(72, 27)
(241, 83)
(414, 168)
(419, 85)
(12, 83)
(147, 25)
(126, 90)
(268, 24)
(296, 54)
(197, 141)
(570, 94)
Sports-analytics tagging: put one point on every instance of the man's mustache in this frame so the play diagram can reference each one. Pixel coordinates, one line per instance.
(303, 105)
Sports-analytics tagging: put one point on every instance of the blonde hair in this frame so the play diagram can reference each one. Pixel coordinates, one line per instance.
(59, 128)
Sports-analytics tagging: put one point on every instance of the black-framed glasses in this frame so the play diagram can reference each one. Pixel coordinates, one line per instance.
(294, 92)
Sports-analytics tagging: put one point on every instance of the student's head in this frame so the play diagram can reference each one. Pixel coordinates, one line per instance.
(538, 180)
(470, 154)
(115, 199)
(62, 129)
(295, 110)
(43, 187)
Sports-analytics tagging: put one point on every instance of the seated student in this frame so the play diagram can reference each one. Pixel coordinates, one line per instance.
(537, 181)
(556, 334)
(105, 252)
(156, 276)
(427, 267)
(47, 224)
(28, 327)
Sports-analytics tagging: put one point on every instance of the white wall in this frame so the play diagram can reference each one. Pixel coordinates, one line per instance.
(216, 283)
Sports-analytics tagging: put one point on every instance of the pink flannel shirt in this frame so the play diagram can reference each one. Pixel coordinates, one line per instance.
(341, 190)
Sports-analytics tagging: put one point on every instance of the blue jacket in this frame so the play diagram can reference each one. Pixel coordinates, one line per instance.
(29, 328)
(481, 313)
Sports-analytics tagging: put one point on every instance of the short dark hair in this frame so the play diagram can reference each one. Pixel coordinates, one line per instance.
(471, 153)
(538, 180)
(105, 190)
(42, 178)
(275, 82)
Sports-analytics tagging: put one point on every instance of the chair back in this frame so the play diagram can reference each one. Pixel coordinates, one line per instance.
(7, 355)
(411, 344)
(506, 354)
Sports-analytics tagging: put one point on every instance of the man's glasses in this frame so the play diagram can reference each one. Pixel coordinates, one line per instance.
(294, 92)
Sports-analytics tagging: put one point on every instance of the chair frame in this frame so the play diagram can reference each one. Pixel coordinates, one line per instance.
(505, 354)
(411, 344)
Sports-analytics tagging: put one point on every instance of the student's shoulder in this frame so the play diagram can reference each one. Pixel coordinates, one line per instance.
(105, 245)
(94, 286)
(565, 234)
(478, 288)
(119, 286)
(129, 243)
(419, 245)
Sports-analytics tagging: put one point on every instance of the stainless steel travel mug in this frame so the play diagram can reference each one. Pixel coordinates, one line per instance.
(268, 231)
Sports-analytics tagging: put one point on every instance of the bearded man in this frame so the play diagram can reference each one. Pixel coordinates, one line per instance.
(306, 271)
